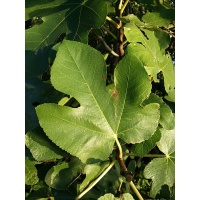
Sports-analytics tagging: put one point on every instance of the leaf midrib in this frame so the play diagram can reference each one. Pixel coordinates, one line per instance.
(76, 124)
(94, 98)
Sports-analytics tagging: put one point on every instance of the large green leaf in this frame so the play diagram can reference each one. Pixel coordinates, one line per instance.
(162, 170)
(73, 17)
(89, 131)
(41, 147)
(148, 50)
(125, 196)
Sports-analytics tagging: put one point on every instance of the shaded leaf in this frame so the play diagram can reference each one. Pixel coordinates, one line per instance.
(39, 193)
(41, 147)
(37, 92)
(162, 170)
(144, 147)
(125, 196)
(75, 18)
(62, 175)
(36, 63)
(92, 171)
(103, 115)
(31, 177)
(163, 39)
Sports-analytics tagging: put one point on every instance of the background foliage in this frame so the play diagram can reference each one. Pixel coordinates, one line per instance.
(97, 80)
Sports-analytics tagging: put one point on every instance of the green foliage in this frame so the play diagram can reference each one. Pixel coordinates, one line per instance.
(37, 142)
(94, 122)
(125, 196)
(146, 48)
(99, 100)
(31, 172)
(165, 169)
(142, 148)
(75, 18)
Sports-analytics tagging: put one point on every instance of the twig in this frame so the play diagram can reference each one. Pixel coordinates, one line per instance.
(107, 47)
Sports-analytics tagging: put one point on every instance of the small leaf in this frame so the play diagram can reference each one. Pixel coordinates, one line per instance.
(31, 177)
(162, 18)
(41, 147)
(162, 170)
(61, 176)
(144, 147)
(167, 119)
(103, 115)
(132, 18)
(92, 171)
(125, 196)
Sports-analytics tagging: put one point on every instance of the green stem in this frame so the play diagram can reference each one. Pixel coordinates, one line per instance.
(148, 155)
(96, 181)
(136, 191)
(120, 5)
(119, 148)
(113, 22)
(124, 6)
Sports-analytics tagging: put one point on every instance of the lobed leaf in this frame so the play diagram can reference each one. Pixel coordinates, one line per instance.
(146, 48)
(103, 115)
(75, 18)
(162, 170)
